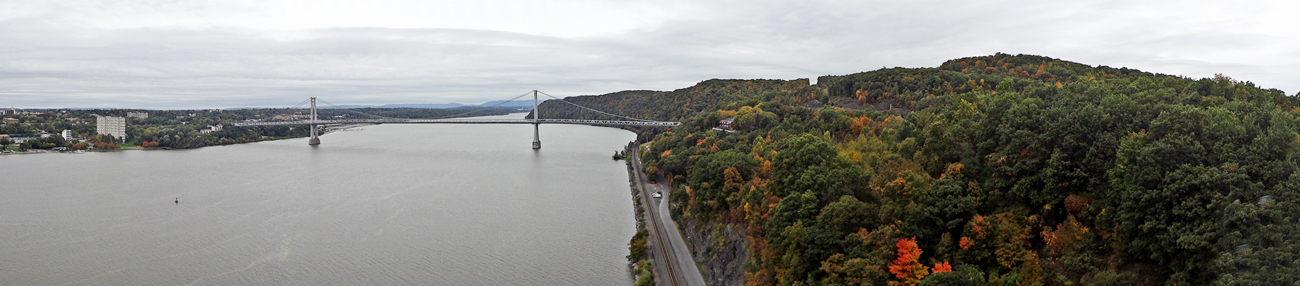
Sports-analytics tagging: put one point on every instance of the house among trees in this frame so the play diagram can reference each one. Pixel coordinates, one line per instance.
(210, 129)
(728, 124)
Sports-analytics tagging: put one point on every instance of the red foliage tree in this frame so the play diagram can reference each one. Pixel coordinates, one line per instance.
(906, 268)
(942, 267)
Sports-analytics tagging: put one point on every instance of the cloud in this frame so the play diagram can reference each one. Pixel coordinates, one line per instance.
(206, 54)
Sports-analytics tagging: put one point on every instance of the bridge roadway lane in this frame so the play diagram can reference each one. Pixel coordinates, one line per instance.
(679, 262)
(463, 121)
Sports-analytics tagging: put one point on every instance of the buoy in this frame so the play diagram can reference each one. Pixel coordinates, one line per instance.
(178, 200)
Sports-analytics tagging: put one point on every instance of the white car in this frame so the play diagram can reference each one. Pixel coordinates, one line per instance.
(657, 195)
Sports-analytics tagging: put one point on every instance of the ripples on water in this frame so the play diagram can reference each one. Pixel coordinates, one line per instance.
(393, 204)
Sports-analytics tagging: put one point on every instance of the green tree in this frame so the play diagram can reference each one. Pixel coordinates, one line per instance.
(810, 163)
(964, 275)
(847, 215)
(711, 174)
(1173, 184)
(942, 209)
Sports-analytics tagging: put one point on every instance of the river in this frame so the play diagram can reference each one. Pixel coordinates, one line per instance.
(427, 204)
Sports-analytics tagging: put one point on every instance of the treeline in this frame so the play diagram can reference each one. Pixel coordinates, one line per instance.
(181, 128)
(671, 105)
(996, 170)
(167, 132)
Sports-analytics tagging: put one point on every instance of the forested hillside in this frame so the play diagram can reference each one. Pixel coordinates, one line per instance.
(995, 170)
(673, 105)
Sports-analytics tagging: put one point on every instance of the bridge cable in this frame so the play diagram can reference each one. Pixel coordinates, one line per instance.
(300, 104)
(304, 102)
(336, 107)
(485, 108)
(597, 111)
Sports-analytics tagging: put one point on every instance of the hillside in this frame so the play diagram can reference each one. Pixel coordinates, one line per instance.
(993, 170)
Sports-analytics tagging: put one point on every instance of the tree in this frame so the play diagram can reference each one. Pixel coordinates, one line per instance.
(637, 247)
(5, 142)
(1173, 183)
(943, 208)
(906, 267)
(710, 175)
(965, 275)
(847, 215)
(810, 163)
(942, 267)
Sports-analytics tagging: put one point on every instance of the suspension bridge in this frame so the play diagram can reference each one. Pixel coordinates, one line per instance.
(315, 123)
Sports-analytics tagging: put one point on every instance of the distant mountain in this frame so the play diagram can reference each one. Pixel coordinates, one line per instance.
(426, 105)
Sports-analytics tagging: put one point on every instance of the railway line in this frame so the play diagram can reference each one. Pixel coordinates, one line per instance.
(672, 259)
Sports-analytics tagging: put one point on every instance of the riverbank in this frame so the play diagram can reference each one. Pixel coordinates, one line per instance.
(133, 147)
(638, 263)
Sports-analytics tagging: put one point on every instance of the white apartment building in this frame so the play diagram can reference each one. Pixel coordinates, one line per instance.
(67, 135)
(110, 125)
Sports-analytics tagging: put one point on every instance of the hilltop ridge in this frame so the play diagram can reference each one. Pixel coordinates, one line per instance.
(988, 170)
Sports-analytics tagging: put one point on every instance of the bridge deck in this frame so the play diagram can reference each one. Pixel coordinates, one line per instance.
(465, 121)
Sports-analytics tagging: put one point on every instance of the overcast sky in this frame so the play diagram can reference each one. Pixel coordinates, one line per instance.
(166, 54)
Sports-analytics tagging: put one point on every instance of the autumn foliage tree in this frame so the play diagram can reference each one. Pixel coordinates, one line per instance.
(942, 267)
(1016, 169)
(906, 267)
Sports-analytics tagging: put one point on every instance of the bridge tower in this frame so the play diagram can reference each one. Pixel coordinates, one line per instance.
(537, 114)
(315, 137)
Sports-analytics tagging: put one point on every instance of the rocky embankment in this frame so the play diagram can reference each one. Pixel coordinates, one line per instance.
(720, 249)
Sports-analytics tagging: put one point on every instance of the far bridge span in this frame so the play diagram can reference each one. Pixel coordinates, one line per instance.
(315, 122)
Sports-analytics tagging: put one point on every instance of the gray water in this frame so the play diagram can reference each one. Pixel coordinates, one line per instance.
(391, 204)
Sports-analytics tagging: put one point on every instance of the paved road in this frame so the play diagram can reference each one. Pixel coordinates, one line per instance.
(677, 268)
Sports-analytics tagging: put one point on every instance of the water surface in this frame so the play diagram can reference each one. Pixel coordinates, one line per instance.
(427, 204)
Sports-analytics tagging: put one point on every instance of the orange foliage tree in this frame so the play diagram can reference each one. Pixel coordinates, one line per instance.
(942, 267)
(906, 268)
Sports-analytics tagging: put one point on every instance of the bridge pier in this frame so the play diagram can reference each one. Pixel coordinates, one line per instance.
(537, 115)
(537, 138)
(315, 136)
(315, 140)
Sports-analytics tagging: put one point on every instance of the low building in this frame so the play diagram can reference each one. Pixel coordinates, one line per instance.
(141, 115)
(16, 111)
(210, 129)
(110, 125)
(11, 120)
(727, 124)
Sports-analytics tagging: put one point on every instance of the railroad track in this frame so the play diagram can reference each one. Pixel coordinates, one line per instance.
(661, 244)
